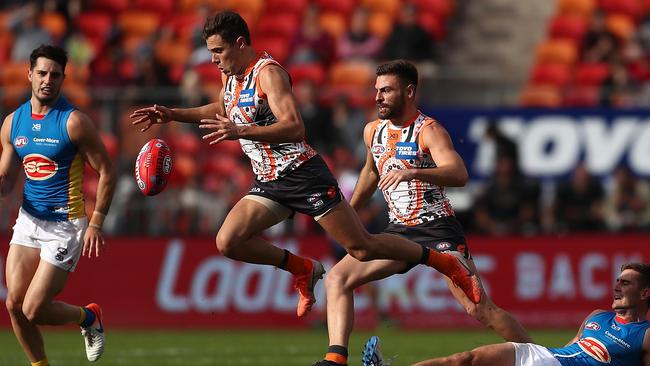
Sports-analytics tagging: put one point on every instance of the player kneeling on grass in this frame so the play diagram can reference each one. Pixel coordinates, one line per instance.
(617, 338)
(52, 140)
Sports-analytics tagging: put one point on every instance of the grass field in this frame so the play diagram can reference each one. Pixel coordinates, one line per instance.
(286, 348)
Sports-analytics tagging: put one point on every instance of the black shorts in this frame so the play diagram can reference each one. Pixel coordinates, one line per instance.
(441, 235)
(310, 189)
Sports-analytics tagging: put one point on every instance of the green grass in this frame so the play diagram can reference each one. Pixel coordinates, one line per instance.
(259, 348)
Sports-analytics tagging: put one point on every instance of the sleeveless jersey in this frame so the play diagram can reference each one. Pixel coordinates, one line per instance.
(605, 340)
(246, 104)
(53, 166)
(413, 202)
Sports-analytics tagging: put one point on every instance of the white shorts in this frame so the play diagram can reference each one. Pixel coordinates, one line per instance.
(530, 354)
(60, 242)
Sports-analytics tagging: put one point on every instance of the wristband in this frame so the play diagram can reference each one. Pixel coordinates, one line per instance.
(95, 226)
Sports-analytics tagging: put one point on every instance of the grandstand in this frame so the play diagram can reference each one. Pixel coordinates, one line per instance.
(546, 102)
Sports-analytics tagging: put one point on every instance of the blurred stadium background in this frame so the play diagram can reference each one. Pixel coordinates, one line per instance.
(546, 101)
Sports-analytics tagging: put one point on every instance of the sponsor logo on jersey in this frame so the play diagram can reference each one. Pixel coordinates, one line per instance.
(595, 348)
(46, 141)
(21, 141)
(406, 150)
(36, 127)
(592, 326)
(246, 98)
(39, 167)
(616, 327)
(378, 149)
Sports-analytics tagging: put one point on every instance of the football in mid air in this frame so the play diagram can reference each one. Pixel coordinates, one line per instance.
(153, 167)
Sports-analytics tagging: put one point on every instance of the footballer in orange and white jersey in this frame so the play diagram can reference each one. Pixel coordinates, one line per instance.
(246, 104)
(412, 202)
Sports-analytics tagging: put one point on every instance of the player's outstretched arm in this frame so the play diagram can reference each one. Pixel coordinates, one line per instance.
(273, 81)
(84, 135)
(369, 175)
(158, 114)
(9, 161)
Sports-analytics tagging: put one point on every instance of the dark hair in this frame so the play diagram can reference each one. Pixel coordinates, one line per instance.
(54, 53)
(643, 269)
(404, 70)
(229, 25)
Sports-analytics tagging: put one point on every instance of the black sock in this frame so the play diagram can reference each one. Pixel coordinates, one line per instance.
(425, 255)
(338, 349)
(285, 259)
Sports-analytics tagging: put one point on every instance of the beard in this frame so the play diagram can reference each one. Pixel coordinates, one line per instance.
(46, 99)
(395, 110)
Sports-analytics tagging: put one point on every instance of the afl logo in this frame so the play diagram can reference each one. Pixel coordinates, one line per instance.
(378, 149)
(39, 167)
(595, 348)
(227, 97)
(443, 246)
(592, 326)
(20, 141)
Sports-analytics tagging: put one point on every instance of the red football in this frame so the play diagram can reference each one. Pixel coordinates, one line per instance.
(153, 167)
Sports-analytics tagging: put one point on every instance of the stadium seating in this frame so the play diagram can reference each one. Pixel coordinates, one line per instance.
(556, 74)
(380, 24)
(384, 6)
(572, 27)
(280, 25)
(138, 23)
(621, 25)
(14, 73)
(582, 8)
(254, 7)
(78, 94)
(630, 8)
(540, 96)
(442, 8)
(314, 72)
(158, 6)
(433, 24)
(557, 51)
(581, 96)
(113, 6)
(592, 74)
(352, 73)
(333, 23)
(344, 7)
(277, 47)
(288, 6)
(54, 23)
(6, 42)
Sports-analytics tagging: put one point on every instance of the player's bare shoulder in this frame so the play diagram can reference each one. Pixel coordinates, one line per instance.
(79, 126)
(5, 130)
(369, 130)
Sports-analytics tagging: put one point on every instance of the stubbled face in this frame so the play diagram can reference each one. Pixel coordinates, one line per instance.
(390, 98)
(225, 55)
(628, 293)
(46, 78)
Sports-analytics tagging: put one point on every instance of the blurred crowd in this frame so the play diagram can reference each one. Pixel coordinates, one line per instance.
(129, 53)
(597, 53)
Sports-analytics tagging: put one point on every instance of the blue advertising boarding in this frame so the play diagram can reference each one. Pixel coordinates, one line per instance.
(552, 142)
